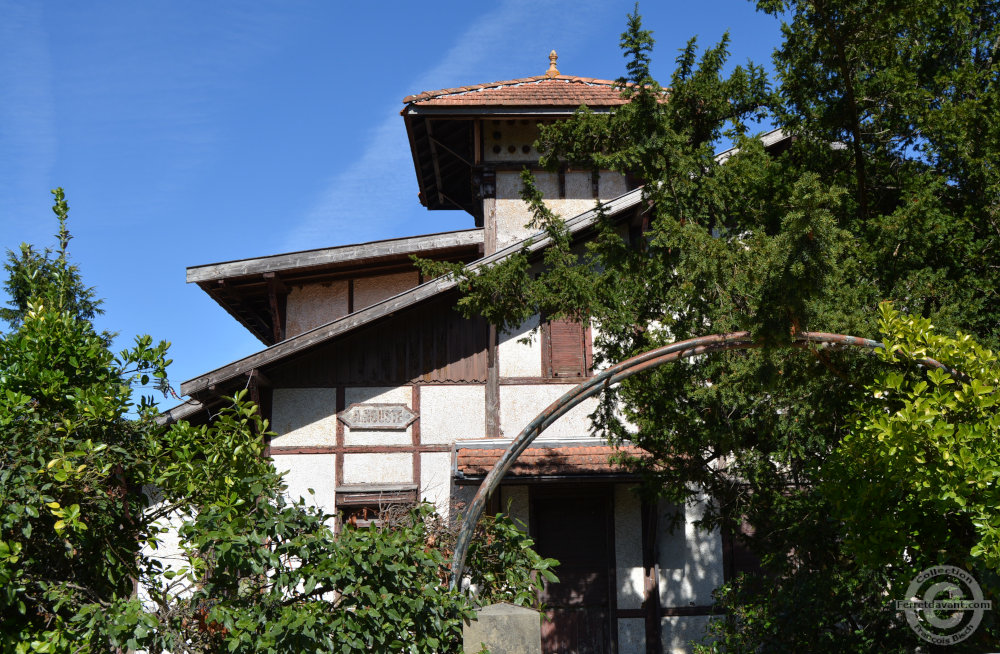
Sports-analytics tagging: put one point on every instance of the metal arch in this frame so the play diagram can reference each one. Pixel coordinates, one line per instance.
(613, 375)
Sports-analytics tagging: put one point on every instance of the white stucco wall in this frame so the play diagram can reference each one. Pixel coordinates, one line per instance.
(518, 359)
(512, 214)
(393, 468)
(452, 412)
(378, 395)
(680, 633)
(168, 551)
(595, 334)
(370, 290)
(631, 636)
(304, 416)
(690, 559)
(509, 140)
(520, 403)
(312, 305)
(310, 471)
(435, 480)
(612, 185)
(628, 548)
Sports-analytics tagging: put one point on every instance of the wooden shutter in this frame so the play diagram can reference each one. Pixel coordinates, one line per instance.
(566, 349)
(369, 506)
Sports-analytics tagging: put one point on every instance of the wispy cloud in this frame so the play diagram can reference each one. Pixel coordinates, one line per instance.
(374, 195)
(28, 143)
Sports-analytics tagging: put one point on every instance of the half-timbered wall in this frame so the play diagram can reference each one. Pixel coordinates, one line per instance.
(311, 305)
(434, 362)
(568, 194)
(424, 344)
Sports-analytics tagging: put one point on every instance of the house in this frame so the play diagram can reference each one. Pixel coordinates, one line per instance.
(380, 392)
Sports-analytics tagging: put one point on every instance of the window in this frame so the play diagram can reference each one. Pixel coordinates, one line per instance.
(367, 506)
(565, 349)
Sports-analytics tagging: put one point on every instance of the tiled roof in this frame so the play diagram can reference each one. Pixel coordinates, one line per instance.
(539, 91)
(573, 460)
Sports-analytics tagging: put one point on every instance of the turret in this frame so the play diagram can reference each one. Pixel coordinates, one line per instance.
(469, 145)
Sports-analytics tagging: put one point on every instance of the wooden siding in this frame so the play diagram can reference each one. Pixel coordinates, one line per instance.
(428, 343)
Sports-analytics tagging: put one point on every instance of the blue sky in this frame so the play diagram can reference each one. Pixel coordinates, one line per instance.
(190, 132)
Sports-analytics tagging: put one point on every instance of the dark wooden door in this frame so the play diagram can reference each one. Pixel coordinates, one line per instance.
(575, 530)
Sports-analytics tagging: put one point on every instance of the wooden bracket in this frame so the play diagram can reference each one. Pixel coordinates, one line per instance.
(277, 296)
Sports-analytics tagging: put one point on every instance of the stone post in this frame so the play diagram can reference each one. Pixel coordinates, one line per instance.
(504, 629)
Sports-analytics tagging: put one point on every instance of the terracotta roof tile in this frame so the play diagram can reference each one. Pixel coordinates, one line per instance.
(558, 91)
(574, 460)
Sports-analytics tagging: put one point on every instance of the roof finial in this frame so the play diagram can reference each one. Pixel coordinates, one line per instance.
(552, 71)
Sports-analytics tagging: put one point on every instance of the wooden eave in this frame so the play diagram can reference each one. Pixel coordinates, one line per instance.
(243, 287)
(443, 151)
(535, 244)
(354, 255)
(192, 410)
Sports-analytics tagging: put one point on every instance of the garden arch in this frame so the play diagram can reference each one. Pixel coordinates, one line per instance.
(613, 375)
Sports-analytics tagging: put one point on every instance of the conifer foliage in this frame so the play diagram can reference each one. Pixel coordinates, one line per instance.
(887, 188)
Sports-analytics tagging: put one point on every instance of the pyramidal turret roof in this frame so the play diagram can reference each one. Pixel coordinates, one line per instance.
(552, 89)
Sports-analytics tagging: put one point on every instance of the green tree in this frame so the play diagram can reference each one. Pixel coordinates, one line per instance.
(924, 452)
(30, 271)
(91, 486)
(887, 189)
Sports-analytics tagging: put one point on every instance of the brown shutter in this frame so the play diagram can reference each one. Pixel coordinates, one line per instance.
(568, 350)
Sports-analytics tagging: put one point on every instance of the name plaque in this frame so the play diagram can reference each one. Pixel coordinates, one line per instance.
(389, 417)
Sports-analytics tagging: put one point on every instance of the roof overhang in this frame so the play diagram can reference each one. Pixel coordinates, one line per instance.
(443, 145)
(300, 343)
(244, 287)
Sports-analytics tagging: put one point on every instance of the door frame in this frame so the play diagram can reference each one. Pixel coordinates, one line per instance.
(598, 492)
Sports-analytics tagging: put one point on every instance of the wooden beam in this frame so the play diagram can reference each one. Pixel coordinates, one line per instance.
(356, 449)
(451, 200)
(222, 292)
(277, 296)
(415, 436)
(399, 248)
(651, 581)
(260, 379)
(438, 183)
(450, 151)
(274, 281)
(492, 384)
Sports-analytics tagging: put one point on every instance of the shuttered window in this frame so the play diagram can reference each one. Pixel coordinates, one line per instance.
(566, 349)
(372, 506)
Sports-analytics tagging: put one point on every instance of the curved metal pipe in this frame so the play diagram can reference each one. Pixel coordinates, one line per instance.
(613, 375)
